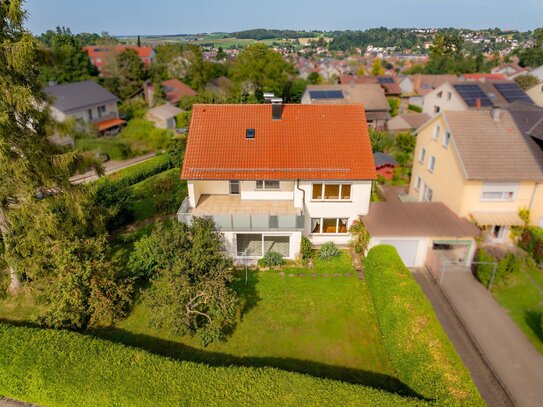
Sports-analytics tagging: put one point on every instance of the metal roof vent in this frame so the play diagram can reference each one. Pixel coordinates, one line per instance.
(250, 134)
(277, 108)
(268, 96)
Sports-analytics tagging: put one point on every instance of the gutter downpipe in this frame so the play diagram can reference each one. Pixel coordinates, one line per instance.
(303, 193)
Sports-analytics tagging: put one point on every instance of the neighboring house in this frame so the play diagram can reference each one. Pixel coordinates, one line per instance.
(384, 165)
(269, 174)
(510, 70)
(483, 77)
(481, 166)
(463, 96)
(536, 94)
(174, 89)
(371, 96)
(163, 116)
(537, 72)
(101, 55)
(407, 122)
(388, 83)
(415, 87)
(87, 101)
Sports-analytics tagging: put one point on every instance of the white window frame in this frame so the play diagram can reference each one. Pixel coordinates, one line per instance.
(437, 130)
(432, 163)
(323, 199)
(264, 186)
(321, 222)
(499, 191)
(449, 95)
(447, 139)
(422, 155)
(418, 183)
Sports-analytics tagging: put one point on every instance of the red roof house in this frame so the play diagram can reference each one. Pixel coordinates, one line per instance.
(175, 91)
(99, 54)
(278, 142)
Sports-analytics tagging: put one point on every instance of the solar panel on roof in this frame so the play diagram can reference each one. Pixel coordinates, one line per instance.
(385, 80)
(512, 92)
(471, 93)
(326, 94)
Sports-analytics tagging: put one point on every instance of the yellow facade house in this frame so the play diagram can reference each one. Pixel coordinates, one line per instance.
(482, 166)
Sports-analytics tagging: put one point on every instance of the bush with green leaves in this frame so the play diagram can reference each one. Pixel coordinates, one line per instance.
(532, 241)
(360, 237)
(419, 349)
(60, 368)
(306, 248)
(415, 108)
(328, 250)
(271, 259)
(506, 266)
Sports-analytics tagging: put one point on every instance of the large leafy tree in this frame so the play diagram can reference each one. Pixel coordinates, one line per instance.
(191, 275)
(131, 73)
(65, 60)
(259, 68)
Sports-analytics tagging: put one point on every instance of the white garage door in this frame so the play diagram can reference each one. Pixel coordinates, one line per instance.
(407, 249)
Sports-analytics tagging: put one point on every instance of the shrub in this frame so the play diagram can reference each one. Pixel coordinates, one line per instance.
(271, 259)
(132, 175)
(59, 368)
(360, 237)
(328, 250)
(142, 137)
(306, 248)
(417, 346)
(532, 241)
(415, 108)
(483, 272)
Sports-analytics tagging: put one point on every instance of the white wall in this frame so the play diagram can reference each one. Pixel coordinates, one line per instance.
(431, 100)
(249, 191)
(198, 188)
(111, 109)
(422, 248)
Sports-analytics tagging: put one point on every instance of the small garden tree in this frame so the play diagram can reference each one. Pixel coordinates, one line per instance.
(360, 238)
(191, 278)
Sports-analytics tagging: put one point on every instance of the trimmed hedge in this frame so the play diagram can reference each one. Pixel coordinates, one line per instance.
(419, 349)
(132, 175)
(532, 241)
(63, 368)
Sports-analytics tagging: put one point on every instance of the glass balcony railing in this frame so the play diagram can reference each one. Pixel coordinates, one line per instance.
(246, 222)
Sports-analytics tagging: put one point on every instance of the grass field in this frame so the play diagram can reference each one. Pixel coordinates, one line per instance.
(522, 296)
(322, 326)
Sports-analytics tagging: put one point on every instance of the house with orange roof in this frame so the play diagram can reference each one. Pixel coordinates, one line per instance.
(101, 54)
(174, 89)
(268, 174)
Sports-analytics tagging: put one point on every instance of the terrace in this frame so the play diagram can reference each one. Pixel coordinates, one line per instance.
(230, 212)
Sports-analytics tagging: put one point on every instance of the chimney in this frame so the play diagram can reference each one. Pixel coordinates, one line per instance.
(478, 103)
(277, 108)
(497, 113)
(268, 96)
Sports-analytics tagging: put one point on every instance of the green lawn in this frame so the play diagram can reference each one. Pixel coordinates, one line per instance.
(322, 326)
(523, 300)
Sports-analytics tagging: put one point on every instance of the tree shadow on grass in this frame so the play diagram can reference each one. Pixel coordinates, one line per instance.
(534, 321)
(245, 285)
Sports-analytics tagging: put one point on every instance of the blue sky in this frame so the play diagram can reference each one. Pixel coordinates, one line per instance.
(128, 17)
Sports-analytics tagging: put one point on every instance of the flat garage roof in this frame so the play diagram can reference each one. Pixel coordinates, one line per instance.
(416, 219)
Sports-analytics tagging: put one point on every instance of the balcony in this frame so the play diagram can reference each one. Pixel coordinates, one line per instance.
(231, 213)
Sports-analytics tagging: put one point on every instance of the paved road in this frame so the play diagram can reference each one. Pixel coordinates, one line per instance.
(514, 360)
(482, 375)
(110, 167)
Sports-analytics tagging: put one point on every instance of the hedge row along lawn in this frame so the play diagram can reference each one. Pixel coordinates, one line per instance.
(62, 368)
(419, 349)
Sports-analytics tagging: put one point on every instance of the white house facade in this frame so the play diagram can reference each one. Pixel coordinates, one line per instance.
(269, 174)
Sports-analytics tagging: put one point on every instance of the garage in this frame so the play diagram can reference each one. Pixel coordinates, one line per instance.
(417, 229)
(407, 249)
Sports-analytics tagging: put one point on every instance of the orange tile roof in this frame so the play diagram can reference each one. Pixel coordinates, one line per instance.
(176, 90)
(108, 124)
(487, 76)
(311, 142)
